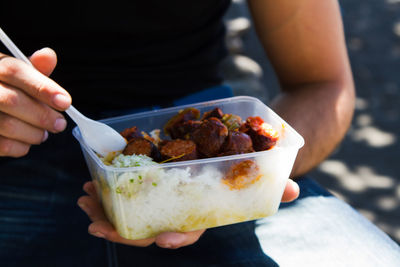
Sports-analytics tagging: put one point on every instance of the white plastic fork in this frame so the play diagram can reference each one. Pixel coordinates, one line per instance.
(98, 136)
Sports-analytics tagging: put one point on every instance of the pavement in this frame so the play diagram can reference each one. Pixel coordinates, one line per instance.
(364, 170)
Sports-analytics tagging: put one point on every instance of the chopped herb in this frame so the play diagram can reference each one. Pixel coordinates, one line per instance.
(154, 184)
(140, 182)
(131, 180)
(118, 190)
(140, 177)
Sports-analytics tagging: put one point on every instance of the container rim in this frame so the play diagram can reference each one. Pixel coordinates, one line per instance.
(197, 104)
(76, 133)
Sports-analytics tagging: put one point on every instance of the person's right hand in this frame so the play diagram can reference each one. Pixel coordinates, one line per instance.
(29, 101)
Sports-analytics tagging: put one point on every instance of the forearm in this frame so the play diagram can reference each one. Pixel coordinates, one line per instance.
(305, 44)
(321, 113)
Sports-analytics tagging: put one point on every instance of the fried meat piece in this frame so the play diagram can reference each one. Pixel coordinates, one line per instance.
(185, 129)
(178, 150)
(263, 135)
(236, 143)
(130, 133)
(216, 113)
(142, 146)
(171, 127)
(242, 174)
(210, 136)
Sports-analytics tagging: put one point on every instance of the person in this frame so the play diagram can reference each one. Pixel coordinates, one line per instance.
(140, 54)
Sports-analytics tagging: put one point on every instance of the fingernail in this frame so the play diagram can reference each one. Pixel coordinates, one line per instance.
(60, 124)
(43, 49)
(98, 234)
(61, 101)
(45, 136)
(39, 51)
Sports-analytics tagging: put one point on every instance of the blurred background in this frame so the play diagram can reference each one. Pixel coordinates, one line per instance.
(364, 170)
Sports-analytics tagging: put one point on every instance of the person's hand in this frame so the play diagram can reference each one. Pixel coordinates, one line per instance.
(28, 102)
(101, 227)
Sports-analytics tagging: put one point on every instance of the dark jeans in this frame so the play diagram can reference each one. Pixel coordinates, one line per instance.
(41, 225)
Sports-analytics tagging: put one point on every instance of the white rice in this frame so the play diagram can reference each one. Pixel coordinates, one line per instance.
(152, 200)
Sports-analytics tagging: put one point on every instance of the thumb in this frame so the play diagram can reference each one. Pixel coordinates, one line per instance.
(44, 60)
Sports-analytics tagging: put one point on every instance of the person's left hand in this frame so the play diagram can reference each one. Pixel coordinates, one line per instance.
(101, 227)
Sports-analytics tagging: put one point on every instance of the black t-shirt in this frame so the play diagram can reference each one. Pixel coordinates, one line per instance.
(123, 54)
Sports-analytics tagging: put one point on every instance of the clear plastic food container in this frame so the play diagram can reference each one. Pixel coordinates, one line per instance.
(142, 202)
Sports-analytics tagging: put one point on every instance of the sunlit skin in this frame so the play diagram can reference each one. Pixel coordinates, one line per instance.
(304, 41)
(29, 103)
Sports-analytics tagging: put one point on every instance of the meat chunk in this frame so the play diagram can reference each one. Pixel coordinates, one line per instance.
(185, 129)
(210, 136)
(178, 150)
(130, 133)
(142, 146)
(242, 174)
(171, 127)
(263, 135)
(236, 143)
(216, 113)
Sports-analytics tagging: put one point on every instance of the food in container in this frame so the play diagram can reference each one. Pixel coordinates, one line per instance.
(210, 184)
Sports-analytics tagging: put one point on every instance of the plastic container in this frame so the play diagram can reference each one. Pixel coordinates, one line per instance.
(142, 202)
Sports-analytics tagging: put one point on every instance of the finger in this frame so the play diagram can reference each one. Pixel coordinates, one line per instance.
(18, 130)
(44, 60)
(17, 104)
(177, 240)
(13, 148)
(104, 229)
(21, 75)
(291, 192)
(89, 188)
(101, 227)
(92, 208)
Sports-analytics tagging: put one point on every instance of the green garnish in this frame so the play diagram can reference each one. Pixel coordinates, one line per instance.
(118, 190)
(154, 184)
(131, 180)
(140, 177)
(232, 122)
